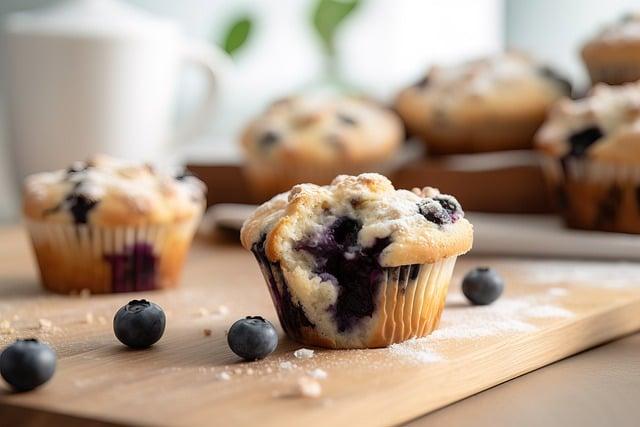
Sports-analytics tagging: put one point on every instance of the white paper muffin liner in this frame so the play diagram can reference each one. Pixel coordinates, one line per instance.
(110, 259)
(408, 304)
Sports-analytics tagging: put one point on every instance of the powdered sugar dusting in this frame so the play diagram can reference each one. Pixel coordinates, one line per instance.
(462, 323)
(594, 274)
(547, 311)
(407, 349)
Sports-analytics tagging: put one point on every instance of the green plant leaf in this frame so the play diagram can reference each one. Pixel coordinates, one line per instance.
(237, 35)
(327, 17)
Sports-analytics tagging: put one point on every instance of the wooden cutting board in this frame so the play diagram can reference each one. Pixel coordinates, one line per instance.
(552, 309)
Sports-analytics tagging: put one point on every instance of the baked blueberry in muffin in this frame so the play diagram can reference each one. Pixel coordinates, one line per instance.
(313, 138)
(591, 151)
(357, 263)
(109, 225)
(489, 104)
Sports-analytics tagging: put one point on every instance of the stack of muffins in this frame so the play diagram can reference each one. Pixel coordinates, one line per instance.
(503, 102)
(591, 146)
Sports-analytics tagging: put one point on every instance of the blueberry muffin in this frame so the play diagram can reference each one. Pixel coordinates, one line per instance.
(613, 55)
(110, 226)
(490, 104)
(591, 151)
(358, 263)
(314, 138)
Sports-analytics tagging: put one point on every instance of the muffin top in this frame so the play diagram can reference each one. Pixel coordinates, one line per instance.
(625, 29)
(365, 211)
(496, 80)
(605, 125)
(322, 130)
(111, 192)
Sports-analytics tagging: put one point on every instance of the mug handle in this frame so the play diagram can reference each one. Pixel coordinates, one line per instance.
(213, 62)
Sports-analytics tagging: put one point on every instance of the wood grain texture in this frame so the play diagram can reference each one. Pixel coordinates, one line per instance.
(175, 382)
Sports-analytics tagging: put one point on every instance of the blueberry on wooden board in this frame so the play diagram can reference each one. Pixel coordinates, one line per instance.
(482, 286)
(139, 324)
(252, 338)
(27, 364)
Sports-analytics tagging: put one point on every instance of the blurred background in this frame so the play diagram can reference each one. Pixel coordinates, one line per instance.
(277, 47)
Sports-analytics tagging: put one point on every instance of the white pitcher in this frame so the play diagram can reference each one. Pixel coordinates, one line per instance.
(89, 76)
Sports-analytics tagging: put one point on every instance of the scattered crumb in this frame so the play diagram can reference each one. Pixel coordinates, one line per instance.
(237, 371)
(268, 370)
(308, 387)
(249, 371)
(318, 374)
(45, 324)
(303, 353)
(223, 376)
(207, 332)
(287, 365)
(222, 310)
(88, 318)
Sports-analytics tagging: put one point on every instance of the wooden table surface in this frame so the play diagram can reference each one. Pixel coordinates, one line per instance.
(601, 384)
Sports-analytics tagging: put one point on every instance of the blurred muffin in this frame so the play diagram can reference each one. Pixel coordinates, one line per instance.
(315, 138)
(358, 263)
(591, 153)
(613, 56)
(490, 104)
(110, 226)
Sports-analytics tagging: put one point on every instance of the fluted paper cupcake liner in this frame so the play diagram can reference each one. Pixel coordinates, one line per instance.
(595, 195)
(110, 259)
(408, 304)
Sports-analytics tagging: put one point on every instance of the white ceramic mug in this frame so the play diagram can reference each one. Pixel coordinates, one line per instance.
(94, 76)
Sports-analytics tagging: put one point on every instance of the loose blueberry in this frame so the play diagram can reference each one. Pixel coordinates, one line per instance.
(27, 364)
(482, 286)
(139, 324)
(252, 338)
